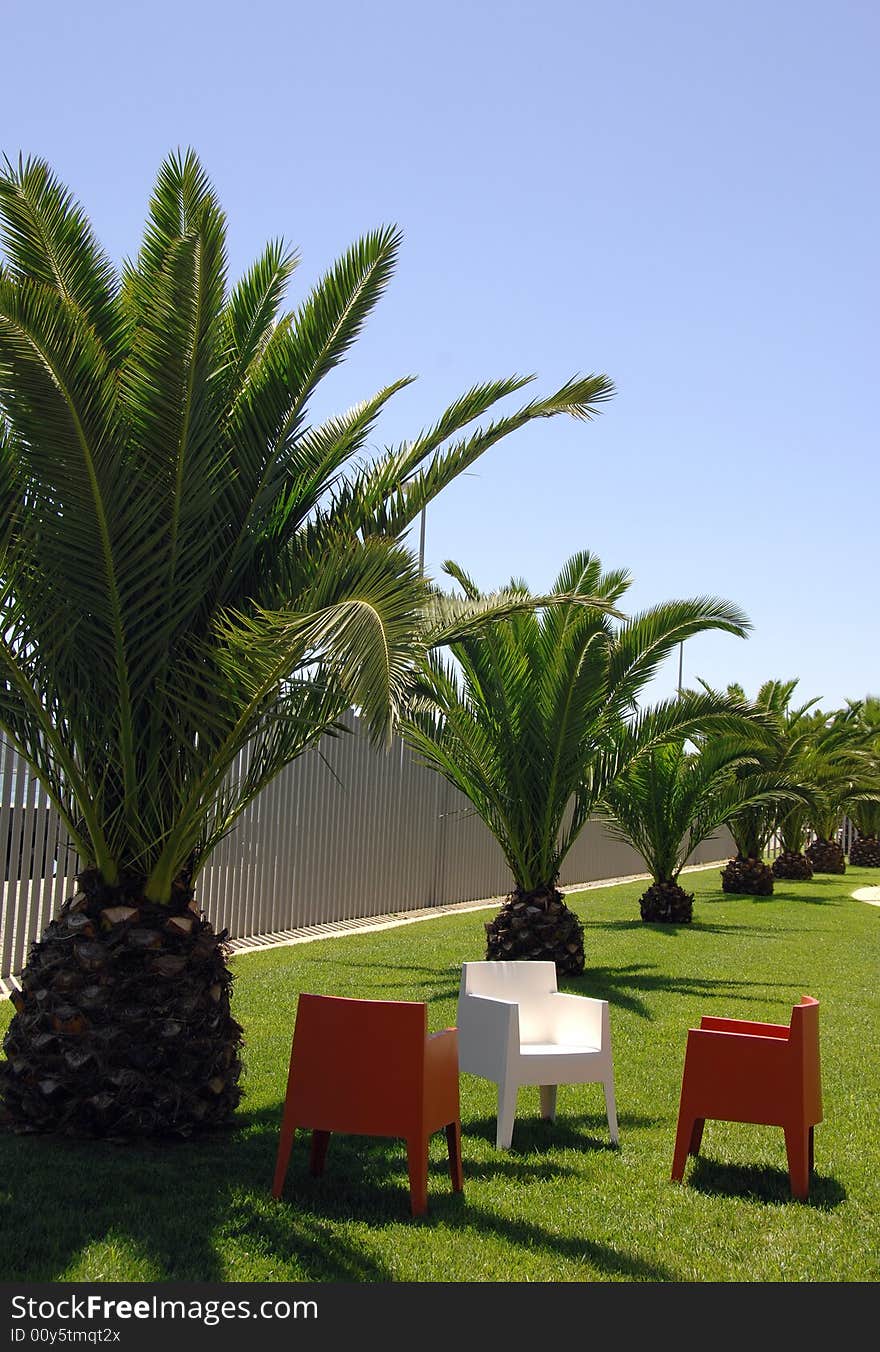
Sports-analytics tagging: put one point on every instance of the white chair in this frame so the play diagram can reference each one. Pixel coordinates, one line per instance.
(515, 1027)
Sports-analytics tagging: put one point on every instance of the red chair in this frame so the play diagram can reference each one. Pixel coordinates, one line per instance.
(370, 1068)
(738, 1071)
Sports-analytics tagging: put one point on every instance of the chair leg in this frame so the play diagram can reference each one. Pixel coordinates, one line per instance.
(417, 1159)
(285, 1144)
(453, 1143)
(548, 1102)
(507, 1093)
(611, 1109)
(697, 1136)
(320, 1142)
(683, 1138)
(797, 1147)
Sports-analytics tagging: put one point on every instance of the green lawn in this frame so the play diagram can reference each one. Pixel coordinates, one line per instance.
(562, 1205)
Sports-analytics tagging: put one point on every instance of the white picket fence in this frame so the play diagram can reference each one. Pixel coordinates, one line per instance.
(341, 835)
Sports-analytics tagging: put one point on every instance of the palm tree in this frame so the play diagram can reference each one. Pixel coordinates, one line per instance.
(195, 582)
(670, 800)
(534, 720)
(772, 746)
(864, 851)
(791, 832)
(844, 780)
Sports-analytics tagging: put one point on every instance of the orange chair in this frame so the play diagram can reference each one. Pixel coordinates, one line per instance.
(369, 1067)
(738, 1071)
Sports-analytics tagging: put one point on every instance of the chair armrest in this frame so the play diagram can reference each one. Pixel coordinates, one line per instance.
(578, 1018)
(779, 1030)
(720, 1050)
(488, 1034)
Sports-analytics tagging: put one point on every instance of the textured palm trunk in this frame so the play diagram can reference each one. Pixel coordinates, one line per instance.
(826, 856)
(865, 852)
(666, 903)
(748, 876)
(793, 865)
(122, 1026)
(537, 926)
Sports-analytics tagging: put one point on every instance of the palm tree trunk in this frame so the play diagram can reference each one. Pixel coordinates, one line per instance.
(793, 865)
(748, 875)
(666, 903)
(865, 852)
(122, 1026)
(826, 856)
(537, 926)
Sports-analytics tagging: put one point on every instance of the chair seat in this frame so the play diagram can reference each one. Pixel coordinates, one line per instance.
(556, 1049)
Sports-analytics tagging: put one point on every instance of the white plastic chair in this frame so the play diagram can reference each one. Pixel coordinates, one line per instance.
(515, 1028)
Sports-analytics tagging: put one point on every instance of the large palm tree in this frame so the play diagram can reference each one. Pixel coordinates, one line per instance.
(195, 581)
(673, 798)
(534, 720)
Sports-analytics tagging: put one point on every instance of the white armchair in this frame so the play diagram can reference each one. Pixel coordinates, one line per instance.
(515, 1028)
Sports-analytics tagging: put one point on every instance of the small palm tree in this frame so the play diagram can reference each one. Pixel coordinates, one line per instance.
(791, 832)
(865, 812)
(195, 582)
(842, 783)
(535, 719)
(773, 746)
(671, 799)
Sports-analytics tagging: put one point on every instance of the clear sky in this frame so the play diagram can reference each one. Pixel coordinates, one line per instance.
(681, 194)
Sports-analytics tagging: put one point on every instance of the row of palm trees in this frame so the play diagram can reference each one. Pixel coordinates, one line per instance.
(196, 581)
(795, 777)
(536, 722)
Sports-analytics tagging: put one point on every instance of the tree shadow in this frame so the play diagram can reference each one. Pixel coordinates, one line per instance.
(804, 899)
(674, 931)
(620, 986)
(173, 1203)
(327, 1200)
(438, 984)
(762, 1183)
(336, 964)
(178, 1206)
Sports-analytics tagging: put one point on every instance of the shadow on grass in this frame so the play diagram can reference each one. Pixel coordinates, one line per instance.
(697, 926)
(334, 1200)
(620, 986)
(436, 985)
(175, 1206)
(570, 1131)
(804, 898)
(186, 1211)
(761, 1183)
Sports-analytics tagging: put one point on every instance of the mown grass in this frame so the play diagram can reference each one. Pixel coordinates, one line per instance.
(561, 1205)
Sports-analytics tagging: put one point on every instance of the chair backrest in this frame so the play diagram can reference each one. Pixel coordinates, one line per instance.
(508, 980)
(351, 1054)
(804, 1041)
(527, 983)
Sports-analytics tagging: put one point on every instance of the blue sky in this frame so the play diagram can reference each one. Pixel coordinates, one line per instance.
(683, 195)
